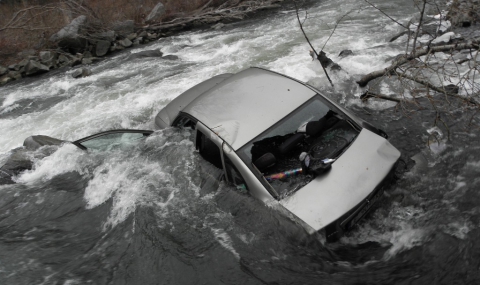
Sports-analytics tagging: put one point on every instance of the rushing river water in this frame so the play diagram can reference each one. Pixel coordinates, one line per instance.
(146, 215)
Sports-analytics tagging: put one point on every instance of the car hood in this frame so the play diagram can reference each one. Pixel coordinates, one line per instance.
(354, 175)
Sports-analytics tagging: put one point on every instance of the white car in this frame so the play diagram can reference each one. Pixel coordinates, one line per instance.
(284, 143)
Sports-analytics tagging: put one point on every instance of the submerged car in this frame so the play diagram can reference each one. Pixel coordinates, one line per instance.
(280, 141)
(285, 143)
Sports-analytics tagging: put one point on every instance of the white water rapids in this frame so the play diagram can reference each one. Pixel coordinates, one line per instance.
(147, 216)
(128, 94)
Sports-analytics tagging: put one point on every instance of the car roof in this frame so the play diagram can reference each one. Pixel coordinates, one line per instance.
(246, 104)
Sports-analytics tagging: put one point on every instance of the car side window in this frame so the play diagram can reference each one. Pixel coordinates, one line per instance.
(110, 140)
(209, 150)
(234, 177)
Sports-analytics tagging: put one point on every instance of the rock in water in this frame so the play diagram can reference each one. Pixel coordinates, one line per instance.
(345, 53)
(145, 53)
(81, 72)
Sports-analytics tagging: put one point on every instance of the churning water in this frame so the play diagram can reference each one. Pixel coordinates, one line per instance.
(153, 213)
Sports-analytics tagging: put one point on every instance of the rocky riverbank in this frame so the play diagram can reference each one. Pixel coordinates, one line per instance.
(79, 44)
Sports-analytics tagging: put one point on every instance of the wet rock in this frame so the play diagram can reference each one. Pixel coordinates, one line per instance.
(124, 28)
(16, 163)
(36, 142)
(102, 47)
(35, 67)
(81, 72)
(125, 43)
(324, 60)
(3, 70)
(156, 14)
(170, 57)
(451, 88)
(145, 54)
(335, 67)
(345, 53)
(143, 34)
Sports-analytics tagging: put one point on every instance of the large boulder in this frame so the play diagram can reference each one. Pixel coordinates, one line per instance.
(70, 37)
(35, 67)
(156, 14)
(124, 28)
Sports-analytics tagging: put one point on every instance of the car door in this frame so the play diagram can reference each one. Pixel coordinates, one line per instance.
(113, 139)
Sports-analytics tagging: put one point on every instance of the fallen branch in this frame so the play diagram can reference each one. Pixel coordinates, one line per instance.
(441, 89)
(390, 70)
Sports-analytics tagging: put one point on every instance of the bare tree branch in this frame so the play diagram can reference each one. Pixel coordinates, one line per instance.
(418, 28)
(438, 89)
(389, 70)
(310, 44)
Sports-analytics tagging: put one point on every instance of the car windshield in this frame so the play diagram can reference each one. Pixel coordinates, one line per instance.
(313, 128)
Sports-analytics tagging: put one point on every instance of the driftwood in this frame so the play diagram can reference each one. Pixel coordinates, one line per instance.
(391, 69)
